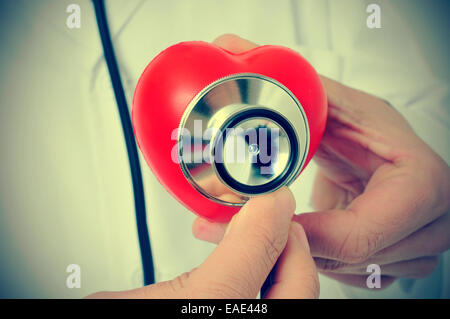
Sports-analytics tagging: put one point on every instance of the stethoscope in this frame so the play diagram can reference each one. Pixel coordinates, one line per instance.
(257, 99)
(133, 158)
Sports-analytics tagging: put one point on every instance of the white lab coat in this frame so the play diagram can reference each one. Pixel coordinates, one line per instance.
(65, 189)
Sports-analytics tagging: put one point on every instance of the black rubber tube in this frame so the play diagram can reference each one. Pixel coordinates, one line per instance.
(133, 158)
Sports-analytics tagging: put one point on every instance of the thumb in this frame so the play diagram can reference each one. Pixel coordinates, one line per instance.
(254, 240)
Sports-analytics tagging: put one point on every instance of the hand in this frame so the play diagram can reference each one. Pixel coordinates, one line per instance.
(237, 268)
(381, 193)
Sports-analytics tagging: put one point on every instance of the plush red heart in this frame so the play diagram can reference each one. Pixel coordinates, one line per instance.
(179, 73)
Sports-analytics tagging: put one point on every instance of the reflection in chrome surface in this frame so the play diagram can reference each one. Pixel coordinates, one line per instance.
(243, 135)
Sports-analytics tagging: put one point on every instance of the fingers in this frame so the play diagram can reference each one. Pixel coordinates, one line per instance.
(433, 239)
(359, 280)
(208, 231)
(296, 275)
(333, 234)
(391, 208)
(405, 258)
(415, 268)
(362, 111)
(328, 195)
(254, 240)
(234, 43)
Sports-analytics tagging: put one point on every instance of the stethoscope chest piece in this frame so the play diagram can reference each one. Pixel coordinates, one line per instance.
(242, 135)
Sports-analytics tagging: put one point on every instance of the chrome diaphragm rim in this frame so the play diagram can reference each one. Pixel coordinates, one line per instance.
(216, 107)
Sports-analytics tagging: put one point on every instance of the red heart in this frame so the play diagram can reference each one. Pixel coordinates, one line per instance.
(179, 73)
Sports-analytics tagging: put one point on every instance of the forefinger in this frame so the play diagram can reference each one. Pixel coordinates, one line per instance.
(208, 231)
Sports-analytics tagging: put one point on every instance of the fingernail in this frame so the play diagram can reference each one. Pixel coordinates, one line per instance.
(288, 198)
(300, 235)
